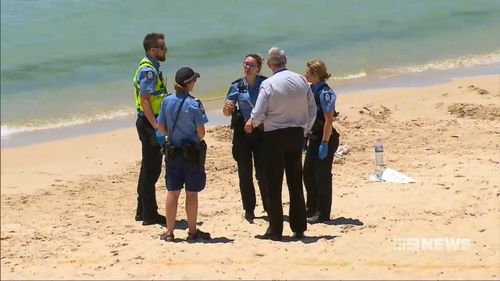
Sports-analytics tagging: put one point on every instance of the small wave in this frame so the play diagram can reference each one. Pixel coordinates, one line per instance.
(352, 76)
(444, 64)
(39, 125)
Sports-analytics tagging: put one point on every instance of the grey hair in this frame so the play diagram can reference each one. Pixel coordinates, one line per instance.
(276, 57)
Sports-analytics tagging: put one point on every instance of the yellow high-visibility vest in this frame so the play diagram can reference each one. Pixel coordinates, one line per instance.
(160, 89)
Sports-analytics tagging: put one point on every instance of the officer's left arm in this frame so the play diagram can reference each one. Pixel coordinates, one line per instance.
(200, 131)
(147, 84)
(200, 118)
(327, 100)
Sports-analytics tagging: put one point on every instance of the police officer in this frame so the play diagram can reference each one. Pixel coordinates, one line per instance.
(150, 89)
(239, 103)
(182, 118)
(323, 142)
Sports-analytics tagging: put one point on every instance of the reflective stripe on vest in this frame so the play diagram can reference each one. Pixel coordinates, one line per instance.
(160, 88)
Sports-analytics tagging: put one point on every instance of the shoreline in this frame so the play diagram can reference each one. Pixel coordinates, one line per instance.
(93, 139)
(68, 206)
(213, 104)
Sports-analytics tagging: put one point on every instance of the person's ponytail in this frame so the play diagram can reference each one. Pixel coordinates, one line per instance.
(179, 89)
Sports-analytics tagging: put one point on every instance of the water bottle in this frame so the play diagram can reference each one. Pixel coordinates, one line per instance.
(379, 159)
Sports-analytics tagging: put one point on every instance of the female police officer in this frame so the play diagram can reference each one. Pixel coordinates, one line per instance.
(239, 103)
(323, 142)
(182, 118)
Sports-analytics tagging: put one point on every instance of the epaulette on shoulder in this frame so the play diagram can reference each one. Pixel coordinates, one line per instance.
(198, 101)
(237, 80)
(327, 87)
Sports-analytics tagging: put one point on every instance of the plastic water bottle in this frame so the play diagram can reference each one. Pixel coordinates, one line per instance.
(379, 159)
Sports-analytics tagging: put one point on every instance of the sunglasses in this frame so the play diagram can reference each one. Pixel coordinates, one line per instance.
(163, 47)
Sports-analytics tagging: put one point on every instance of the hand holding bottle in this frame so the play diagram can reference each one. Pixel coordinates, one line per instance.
(228, 107)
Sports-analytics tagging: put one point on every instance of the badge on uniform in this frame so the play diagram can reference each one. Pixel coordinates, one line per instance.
(150, 74)
(327, 97)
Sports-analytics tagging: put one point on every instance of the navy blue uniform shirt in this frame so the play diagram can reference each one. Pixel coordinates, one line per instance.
(325, 96)
(245, 97)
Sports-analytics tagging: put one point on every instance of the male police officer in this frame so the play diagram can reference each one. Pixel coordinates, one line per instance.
(150, 89)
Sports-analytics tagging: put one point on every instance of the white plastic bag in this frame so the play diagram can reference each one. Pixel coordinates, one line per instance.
(393, 176)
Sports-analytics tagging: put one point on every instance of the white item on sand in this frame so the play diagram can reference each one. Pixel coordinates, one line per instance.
(393, 176)
(339, 154)
(342, 150)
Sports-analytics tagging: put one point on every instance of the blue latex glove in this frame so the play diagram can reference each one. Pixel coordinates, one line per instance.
(160, 138)
(323, 150)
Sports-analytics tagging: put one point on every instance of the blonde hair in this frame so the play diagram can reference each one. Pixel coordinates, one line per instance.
(318, 67)
(179, 89)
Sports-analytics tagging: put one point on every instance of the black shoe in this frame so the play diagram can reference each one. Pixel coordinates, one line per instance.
(249, 216)
(316, 219)
(311, 213)
(198, 235)
(138, 218)
(298, 235)
(270, 235)
(157, 219)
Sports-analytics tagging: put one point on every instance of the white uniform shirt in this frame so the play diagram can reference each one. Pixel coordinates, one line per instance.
(285, 100)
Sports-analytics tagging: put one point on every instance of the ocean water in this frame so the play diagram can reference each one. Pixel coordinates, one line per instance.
(70, 62)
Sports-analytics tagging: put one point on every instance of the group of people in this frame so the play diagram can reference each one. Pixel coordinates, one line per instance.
(271, 118)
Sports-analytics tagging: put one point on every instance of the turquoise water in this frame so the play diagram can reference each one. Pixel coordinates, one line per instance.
(70, 62)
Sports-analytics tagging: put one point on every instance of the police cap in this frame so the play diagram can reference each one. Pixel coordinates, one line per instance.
(185, 75)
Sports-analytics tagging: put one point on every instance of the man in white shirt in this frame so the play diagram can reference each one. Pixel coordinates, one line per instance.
(287, 109)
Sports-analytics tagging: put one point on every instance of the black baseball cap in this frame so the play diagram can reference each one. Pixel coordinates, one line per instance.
(185, 75)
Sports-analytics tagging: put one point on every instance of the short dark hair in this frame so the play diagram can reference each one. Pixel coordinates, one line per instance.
(151, 40)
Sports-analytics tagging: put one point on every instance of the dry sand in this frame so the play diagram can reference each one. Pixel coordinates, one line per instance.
(67, 207)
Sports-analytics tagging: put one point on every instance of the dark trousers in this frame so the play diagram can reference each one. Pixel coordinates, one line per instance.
(244, 147)
(282, 150)
(150, 170)
(318, 176)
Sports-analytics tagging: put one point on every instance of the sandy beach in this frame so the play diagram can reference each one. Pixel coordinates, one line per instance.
(68, 206)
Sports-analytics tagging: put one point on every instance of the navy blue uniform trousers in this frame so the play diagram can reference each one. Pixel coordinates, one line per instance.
(151, 164)
(244, 147)
(318, 176)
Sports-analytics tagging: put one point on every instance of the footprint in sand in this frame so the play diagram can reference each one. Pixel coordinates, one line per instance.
(477, 90)
(376, 112)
